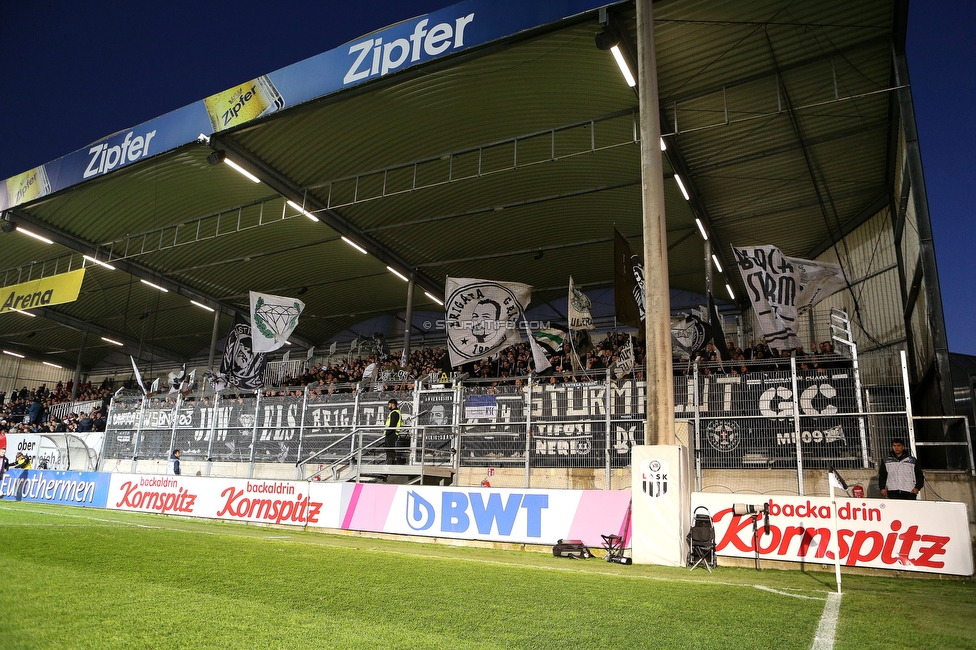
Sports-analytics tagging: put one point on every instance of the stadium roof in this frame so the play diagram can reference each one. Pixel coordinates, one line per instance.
(488, 139)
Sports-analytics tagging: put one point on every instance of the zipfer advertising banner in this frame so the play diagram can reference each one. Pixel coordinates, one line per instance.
(500, 515)
(413, 42)
(927, 536)
(89, 489)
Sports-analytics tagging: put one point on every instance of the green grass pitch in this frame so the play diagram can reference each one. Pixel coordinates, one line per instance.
(78, 578)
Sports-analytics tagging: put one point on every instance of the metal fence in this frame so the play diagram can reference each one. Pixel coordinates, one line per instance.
(532, 431)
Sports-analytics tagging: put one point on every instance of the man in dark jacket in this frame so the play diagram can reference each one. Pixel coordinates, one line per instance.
(899, 476)
(174, 463)
(84, 424)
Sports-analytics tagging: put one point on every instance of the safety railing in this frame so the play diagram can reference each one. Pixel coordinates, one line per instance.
(786, 414)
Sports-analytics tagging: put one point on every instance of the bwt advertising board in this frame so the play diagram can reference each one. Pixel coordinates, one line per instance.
(498, 515)
(501, 515)
(924, 536)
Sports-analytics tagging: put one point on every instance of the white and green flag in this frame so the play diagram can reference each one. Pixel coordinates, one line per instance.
(273, 319)
(579, 309)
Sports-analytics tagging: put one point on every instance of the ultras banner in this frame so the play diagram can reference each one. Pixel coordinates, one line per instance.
(883, 534)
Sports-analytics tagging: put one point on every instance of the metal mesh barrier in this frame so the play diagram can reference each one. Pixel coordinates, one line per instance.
(493, 425)
(330, 420)
(781, 416)
(233, 428)
(278, 427)
(122, 426)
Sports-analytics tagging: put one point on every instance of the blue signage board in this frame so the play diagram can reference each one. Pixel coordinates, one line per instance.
(89, 489)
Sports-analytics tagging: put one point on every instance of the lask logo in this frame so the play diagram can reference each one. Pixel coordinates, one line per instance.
(654, 478)
(419, 511)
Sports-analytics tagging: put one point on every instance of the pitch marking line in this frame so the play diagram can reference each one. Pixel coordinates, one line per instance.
(824, 640)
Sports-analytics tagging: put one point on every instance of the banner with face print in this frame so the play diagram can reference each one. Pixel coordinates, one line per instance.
(482, 316)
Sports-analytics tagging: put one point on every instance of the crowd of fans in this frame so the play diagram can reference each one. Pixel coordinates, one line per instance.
(30, 411)
(513, 364)
(759, 357)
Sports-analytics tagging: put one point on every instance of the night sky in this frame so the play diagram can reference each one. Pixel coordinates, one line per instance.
(79, 71)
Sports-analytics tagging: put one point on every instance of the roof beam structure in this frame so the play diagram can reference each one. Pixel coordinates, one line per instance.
(133, 268)
(293, 191)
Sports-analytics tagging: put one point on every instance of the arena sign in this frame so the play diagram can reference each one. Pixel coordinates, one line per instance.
(52, 290)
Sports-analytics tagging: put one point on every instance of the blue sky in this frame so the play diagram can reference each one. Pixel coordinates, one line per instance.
(79, 71)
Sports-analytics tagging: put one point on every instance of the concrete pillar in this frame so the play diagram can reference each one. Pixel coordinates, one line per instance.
(659, 426)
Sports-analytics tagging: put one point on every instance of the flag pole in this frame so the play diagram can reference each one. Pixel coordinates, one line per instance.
(835, 542)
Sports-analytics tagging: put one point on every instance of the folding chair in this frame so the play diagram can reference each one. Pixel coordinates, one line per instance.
(701, 540)
(614, 547)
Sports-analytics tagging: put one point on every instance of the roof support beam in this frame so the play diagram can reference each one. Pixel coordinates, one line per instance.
(135, 348)
(875, 41)
(294, 192)
(130, 266)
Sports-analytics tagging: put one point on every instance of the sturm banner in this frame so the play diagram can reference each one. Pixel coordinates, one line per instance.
(779, 286)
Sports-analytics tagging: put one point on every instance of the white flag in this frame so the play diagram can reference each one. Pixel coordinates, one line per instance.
(286, 357)
(625, 360)
(311, 353)
(155, 385)
(135, 369)
(482, 316)
(579, 309)
(273, 319)
(355, 342)
(538, 356)
(332, 348)
(835, 481)
(779, 286)
(188, 383)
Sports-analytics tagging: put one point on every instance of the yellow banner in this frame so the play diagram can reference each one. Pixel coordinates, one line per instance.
(53, 290)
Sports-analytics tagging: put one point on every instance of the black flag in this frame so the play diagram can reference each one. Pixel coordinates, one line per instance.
(716, 333)
(628, 283)
(240, 365)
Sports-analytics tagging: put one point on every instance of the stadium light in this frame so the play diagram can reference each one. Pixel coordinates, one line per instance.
(13, 354)
(25, 313)
(622, 64)
(201, 305)
(681, 186)
(398, 274)
(99, 262)
(53, 365)
(154, 286)
(354, 245)
(664, 147)
(729, 289)
(233, 165)
(718, 265)
(434, 298)
(34, 235)
(701, 229)
(112, 341)
(303, 211)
